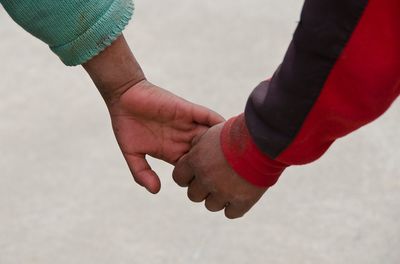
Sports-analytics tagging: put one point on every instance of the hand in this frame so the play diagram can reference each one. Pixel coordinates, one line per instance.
(148, 120)
(209, 177)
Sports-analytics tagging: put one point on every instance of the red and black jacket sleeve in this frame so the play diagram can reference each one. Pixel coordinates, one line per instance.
(341, 71)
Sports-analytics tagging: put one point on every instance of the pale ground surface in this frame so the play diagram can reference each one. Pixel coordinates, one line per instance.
(66, 195)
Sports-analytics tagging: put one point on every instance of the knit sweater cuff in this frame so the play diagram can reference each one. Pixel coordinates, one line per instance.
(244, 156)
(98, 37)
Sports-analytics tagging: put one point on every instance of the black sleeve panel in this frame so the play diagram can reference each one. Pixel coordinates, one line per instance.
(277, 108)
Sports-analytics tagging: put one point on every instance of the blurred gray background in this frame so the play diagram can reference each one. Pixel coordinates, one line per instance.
(66, 195)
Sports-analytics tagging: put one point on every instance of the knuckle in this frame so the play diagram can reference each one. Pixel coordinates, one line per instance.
(177, 179)
(230, 214)
(212, 208)
(234, 217)
(193, 196)
(180, 179)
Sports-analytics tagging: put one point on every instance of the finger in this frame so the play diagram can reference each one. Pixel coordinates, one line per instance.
(214, 203)
(197, 192)
(183, 172)
(206, 117)
(198, 133)
(236, 210)
(143, 174)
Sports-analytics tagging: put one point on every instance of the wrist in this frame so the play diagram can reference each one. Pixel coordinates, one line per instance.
(114, 71)
(244, 156)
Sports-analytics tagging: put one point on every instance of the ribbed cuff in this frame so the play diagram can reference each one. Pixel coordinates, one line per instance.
(245, 157)
(101, 35)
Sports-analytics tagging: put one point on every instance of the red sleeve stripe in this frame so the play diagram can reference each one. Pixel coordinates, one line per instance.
(244, 156)
(362, 85)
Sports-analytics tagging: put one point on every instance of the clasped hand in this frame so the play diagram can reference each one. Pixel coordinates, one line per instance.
(148, 120)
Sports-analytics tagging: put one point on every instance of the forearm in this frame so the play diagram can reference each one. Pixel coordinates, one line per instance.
(75, 30)
(114, 70)
(341, 72)
(86, 33)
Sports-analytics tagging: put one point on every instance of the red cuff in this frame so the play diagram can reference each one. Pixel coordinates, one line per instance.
(244, 156)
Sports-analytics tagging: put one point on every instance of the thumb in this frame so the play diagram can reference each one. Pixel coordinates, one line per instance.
(206, 117)
(142, 173)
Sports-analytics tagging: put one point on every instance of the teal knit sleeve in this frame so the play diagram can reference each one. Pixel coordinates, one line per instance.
(75, 30)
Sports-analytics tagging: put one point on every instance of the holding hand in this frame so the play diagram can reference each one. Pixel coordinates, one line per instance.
(148, 120)
(209, 177)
